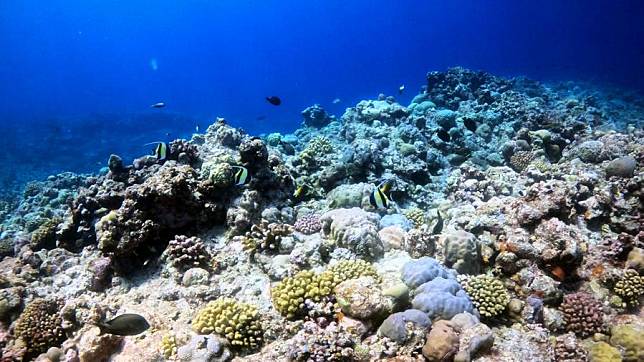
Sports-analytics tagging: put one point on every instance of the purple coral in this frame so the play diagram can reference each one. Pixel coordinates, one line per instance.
(308, 224)
(187, 252)
(583, 314)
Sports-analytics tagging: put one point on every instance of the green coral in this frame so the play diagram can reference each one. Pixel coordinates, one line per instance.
(488, 294)
(628, 337)
(39, 326)
(237, 322)
(345, 270)
(317, 147)
(603, 352)
(630, 287)
(45, 236)
(169, 346)
(289, 294)
(416, 216)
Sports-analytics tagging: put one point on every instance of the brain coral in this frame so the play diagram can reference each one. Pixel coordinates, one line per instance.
(462, 251)
(237, 322)
(354, 229)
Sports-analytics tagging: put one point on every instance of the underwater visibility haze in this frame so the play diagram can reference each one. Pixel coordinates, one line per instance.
(321, 180)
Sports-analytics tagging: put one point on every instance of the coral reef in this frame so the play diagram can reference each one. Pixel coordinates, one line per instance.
(354, 229)
(40, 326)
(488, 294)
(237, 322)
(265, 236)
(583, 314)
(185, 252)
(630, 287)
(308, 224)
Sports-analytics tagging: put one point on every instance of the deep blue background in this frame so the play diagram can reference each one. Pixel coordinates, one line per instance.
(88, 62)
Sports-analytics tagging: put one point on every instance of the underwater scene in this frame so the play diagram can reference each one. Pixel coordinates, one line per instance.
(260, 181)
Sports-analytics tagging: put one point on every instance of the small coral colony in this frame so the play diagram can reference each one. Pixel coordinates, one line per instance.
(491, 219)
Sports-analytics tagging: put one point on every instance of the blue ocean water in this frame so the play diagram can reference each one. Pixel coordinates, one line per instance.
(77, 77)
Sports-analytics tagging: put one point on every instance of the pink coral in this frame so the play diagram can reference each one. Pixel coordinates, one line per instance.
(308, 224)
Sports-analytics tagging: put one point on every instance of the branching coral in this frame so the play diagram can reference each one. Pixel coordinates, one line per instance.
(265, 236)
(238, 322)
(487, 293)
(583, 314)
(630, 287)
(187, 252)
(39, 326)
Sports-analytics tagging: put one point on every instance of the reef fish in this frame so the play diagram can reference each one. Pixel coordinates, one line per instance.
(124, 325)
(241, 175)
(438, 227)
(158, 105)
(336, 101)
(378, 197)
(470, 124)
(274, 100)
(401, 89)
(299, 191)
(160, 151)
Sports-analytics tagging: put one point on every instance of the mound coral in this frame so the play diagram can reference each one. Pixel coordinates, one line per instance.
(308, 224)
(462, 251)
(316, 116)
(317, 147)
(237, 322)
(290, 294)
(419, 242)
(628, 337)
(583, 314)
(487, 293)
(354, 229)
(45, 236)
(39, 326)
(266, 236)
(630, 287)
(187, 252)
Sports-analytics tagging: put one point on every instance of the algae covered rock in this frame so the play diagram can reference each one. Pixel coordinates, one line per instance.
(621, 167)
(208, 348)
(462, 251)
(442, 342)
(354, 229)
(362, 298)
(237, 322)
(628, 337)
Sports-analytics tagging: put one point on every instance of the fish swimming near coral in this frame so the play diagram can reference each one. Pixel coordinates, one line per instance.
(128, 324)
(443, 135)
(158, 105)
(274, 100)
(378, 197)
(299, 192)
(470, 124)
(160, 151)
(438, 227)
(242, 177)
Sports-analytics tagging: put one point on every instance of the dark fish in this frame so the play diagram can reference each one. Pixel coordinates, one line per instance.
(124, 325)
(241, 175)
(274, 100)
(470, 124)
(438, 227)
(443, 135)
(158, 105)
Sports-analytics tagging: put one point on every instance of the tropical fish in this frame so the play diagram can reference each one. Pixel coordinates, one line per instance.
(438, 227)
(378, 198)
(401, 89)
(336, 101)
(124, 325)
(241, 175)
(160, 151)
(470, 124)
(299, 191)
(274, 100)
(443, 135)
(158, 105)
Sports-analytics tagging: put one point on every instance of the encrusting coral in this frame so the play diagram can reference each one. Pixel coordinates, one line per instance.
(237, 322)
(487, 293)
(40, 326)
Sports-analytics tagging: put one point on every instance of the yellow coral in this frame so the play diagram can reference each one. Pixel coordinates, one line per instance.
(237, 322)
(488, 294)
(630, 287)
(416, 216)
(603, 352)
(628, 337)
(169, 346)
